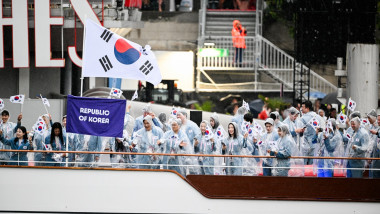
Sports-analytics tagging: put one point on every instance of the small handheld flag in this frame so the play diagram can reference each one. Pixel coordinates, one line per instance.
(1, 104)
(40, 125)
(17, 99)
(314, 123)
(220, 133)
(245, 105)
(330, 126)
(135, 96)
(351, 104)
(346, 134)
(342, 118)
(364, 121)
(244, 127)
(115, 92)
(208, 133)
(259, 129)
(45, 101)
(174, 112)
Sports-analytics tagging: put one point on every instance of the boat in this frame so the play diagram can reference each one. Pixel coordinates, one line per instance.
(42, 189)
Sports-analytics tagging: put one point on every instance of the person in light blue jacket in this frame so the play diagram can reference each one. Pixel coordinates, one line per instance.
(219, 135)
(268, 142)
(239, 118)
(356, 148)
(147, 110)
(291, 121)
(309, 133)
(9, 129)
(20, 142)
(88, 143)
(189, 127)
(286, 146)
(175, 141)
(375, 164)
(204, 144)
(349, 130)
(233, 145)
(146, 140)
(56, 141)
(331, 146)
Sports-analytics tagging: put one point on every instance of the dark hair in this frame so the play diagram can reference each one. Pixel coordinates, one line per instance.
(5, 113)
(25, 136)
(235, 135)
(273, 116)
(119, 146)
(56, 125)
(248, 117)
(308, 104)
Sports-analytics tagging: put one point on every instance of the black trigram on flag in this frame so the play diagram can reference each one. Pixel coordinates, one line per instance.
(106, 35)
(146, 68)
(106, 63)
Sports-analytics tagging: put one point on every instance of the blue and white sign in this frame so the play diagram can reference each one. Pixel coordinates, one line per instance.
(95, 116)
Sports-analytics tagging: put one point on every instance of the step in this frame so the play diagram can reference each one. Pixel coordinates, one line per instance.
(217, 33)
(223, 23)
(224, 28)
(231, 13)
(230, 20)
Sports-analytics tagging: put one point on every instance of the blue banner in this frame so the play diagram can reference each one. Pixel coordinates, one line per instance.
(114, 83)
(95, 116)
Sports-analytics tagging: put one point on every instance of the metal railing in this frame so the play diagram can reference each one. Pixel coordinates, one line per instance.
(208, 61)
(260, 56)
(270, 60)
(337, 166)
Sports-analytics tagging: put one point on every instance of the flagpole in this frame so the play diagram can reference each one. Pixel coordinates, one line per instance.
(84, 38)
(44, 104)
(67, 148)
(22, 104)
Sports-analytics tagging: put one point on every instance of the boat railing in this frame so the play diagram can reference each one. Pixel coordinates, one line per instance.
(254, 168)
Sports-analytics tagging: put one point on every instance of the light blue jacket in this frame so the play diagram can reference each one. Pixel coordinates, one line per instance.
(191, 130)
(170, 142)
(360, 140)
(9, 129)
(145, 145)
(17, 156)
(285, 147)
(139, 124)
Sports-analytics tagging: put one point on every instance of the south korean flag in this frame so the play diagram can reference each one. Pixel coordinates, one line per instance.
(1, 104)
(115, 92)
(107, 54)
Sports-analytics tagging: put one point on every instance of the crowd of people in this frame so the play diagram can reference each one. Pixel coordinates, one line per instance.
(303, 132)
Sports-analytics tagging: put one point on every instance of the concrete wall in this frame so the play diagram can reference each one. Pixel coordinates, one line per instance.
(32, 109)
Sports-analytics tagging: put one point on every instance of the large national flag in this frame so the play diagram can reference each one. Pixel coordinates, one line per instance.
(95, 116)
(109, 55)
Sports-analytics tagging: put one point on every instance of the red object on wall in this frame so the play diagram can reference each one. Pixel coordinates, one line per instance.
(133, 3)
